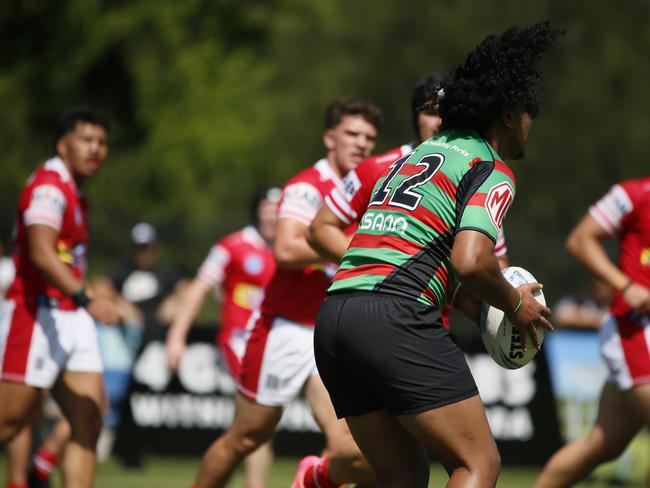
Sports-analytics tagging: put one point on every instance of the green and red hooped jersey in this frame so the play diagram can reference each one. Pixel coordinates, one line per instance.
(454, 181)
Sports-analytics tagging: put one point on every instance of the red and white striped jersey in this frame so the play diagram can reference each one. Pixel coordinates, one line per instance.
(50, 197)
(296, 294)
(625, 211)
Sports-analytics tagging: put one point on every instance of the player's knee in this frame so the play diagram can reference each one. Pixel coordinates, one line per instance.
(246, 442)
(10, 425)
(493, 460)
(607, 453)
(493, 465)
(341, 441)
(7, 431)
(86, 424)
(603, 449)
(485, 465)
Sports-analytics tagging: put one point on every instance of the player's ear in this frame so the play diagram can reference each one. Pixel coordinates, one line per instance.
(507, 119)
(61, 148)
(511, 118)
(328, 139)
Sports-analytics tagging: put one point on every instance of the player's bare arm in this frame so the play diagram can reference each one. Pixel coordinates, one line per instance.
(177, 337)
(103, 287)
(42, 252)
(326, 235)
(291, 249)
(585, 242)
(467, 303)
(473, 260)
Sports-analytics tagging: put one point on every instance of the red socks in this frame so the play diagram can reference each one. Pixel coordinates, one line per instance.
(11, 484)
(44, 463)
(317, 475)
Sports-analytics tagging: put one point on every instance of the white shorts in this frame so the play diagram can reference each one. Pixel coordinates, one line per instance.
(278, 361)
(37, 344)
(625, 346)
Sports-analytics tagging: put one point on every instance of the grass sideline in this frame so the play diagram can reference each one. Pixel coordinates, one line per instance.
(168, 472)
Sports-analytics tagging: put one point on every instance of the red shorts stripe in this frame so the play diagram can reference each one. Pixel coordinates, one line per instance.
(14, 364)
(232, 360)
(636, 348)
(251, 364)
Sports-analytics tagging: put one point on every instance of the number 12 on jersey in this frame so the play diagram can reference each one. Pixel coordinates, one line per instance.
(403, 195)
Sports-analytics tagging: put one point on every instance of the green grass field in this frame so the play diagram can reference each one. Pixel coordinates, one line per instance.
(179, 472)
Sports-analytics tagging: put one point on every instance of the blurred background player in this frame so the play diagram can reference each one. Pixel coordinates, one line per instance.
(347, 203)
(240, 265)
(624, 407)
(148, 288)
(279, 361)
(437, 213)
(47, 333)
(585, 311)
(118, 345)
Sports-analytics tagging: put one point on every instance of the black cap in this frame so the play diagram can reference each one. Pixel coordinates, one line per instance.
(428, 89)
(267, 192)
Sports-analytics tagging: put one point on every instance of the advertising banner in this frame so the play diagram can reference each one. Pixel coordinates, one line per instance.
(182, 414)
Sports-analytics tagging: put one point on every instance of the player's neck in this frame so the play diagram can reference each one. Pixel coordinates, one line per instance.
(331, 161)
(76, 177)
(497, 141)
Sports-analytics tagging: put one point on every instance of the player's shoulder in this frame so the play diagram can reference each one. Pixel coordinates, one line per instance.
(44, 176)
(245, 237)
(52, 172)
(502, 168)
(375, 165)
(388, 157)
(309, 175)
(637, 189)
(317, 179)
(230, 240)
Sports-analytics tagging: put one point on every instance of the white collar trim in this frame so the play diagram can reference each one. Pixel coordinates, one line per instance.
(57, 165)
(326, 172)
(253, 236)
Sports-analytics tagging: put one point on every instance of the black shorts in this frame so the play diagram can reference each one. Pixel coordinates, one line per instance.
(376, 351)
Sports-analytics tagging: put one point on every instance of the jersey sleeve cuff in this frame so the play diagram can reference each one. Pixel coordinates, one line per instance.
(478, 229)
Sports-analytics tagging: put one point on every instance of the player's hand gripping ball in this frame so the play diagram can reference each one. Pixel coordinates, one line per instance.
(501, 339)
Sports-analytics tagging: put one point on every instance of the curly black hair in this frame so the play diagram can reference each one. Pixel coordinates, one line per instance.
(500, 75)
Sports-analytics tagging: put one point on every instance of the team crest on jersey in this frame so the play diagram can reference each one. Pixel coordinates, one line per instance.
(49, 195)
(253, 264)
(498, 201)
(302, 194)
(351, 184)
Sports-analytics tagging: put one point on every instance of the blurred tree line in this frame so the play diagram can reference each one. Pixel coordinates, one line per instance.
(210, 98)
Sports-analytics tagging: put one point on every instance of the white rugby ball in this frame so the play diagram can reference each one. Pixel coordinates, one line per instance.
(500, 338)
